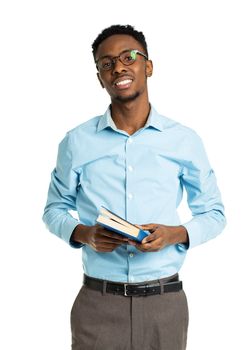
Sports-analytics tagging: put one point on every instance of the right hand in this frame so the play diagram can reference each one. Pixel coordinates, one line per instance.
(98, 238)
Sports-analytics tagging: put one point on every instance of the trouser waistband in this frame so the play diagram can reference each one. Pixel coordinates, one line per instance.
(159, 286)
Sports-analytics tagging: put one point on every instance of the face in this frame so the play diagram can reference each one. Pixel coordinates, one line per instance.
(123, 83)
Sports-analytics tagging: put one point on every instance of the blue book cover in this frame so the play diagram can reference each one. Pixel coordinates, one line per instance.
(115, 223)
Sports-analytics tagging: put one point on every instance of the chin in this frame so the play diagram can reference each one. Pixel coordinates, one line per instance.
(127, 98)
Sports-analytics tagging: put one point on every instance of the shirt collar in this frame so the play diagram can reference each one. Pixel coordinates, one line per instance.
(154, 120)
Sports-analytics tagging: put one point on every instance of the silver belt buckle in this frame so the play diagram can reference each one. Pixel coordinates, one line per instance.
(125, 289)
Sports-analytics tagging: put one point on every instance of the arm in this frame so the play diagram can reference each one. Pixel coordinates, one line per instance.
(204, 201)
(62, 198)
(62, 195)
(203, 197)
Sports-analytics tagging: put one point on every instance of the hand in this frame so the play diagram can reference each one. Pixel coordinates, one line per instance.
(161, 236)
(98, 238)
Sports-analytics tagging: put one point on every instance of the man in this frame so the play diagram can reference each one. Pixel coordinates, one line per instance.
(136, 163)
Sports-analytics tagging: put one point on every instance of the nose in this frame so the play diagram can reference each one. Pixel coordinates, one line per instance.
(118, 67)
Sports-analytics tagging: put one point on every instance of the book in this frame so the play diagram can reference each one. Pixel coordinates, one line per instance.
(113, 222)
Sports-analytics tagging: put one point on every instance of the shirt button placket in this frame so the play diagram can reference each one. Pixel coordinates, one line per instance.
(131, 265)
(129, 169)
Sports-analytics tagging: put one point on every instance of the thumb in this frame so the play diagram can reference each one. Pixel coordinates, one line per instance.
(151, 237)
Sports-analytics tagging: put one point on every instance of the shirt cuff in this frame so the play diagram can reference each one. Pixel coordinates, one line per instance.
(75, 244)
(194, 233)
(67, 232)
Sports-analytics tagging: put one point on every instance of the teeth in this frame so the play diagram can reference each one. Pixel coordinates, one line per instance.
(124, 82)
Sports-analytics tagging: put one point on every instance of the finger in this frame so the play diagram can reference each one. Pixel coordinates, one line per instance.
(143, 247)
(103, 247)
(109, 240)
(130, 242)
(154, 246)
(149, 238)
(140, 247)
(115, 236)
(149, 227)
(151, 242)
(147, 248)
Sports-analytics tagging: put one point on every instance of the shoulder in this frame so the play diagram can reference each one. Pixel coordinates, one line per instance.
(88, 126)
(78, 136)
(83, 131)
(178, 129)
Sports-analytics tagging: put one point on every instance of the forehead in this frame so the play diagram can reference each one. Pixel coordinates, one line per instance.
(115, 44)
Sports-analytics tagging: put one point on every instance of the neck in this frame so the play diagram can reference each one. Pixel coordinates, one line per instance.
(130, 116)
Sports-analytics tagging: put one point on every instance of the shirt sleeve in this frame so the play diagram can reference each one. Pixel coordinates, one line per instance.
(203, 196)
(62, 195)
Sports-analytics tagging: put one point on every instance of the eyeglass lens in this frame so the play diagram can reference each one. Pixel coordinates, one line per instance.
(127, 58)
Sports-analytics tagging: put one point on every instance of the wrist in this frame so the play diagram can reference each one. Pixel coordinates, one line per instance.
(79, 234)
(183, 237)
(177, 235)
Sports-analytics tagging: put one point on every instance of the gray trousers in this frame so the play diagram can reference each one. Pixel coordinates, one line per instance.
(103, 321)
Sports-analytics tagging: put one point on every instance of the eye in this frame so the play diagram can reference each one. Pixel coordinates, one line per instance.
(128, 56)
(105, 63)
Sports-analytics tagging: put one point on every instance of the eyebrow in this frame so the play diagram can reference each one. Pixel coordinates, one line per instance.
(110, 56)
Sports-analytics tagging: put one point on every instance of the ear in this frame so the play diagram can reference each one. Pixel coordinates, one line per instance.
(149, 68)
(99, 78)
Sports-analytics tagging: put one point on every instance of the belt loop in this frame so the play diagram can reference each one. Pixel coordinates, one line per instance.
(161, 286)
(104, 287)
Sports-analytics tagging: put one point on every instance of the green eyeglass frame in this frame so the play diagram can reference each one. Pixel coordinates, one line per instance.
(126, 57)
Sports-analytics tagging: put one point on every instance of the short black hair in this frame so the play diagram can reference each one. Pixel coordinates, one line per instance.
(119, 29)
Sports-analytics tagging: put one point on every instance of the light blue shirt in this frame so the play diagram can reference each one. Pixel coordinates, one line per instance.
(140, 177)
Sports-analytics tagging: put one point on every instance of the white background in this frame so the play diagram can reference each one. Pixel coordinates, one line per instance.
(201, 52)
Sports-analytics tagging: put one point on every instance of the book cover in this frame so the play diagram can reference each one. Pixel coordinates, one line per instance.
(114, 222)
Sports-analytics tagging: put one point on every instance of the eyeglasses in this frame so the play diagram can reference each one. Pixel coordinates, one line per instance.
(126, 57)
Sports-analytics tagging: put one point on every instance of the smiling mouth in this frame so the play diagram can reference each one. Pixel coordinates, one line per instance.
(123, 84)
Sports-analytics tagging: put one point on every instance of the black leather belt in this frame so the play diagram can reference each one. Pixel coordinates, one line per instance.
(135, 289)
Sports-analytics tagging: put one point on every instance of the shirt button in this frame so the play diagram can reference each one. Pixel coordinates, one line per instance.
(131, 255)
(130, 140)
(130, 195)
(130, 168)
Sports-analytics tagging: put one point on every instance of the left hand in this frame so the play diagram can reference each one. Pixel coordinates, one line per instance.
(160, 236)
